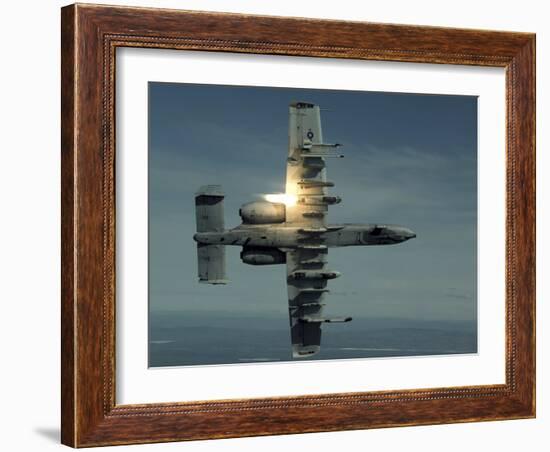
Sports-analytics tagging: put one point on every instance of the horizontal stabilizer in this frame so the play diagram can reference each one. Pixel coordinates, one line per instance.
(209, 208)
(211, 264)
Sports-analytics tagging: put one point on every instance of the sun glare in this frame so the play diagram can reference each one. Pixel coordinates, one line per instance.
(288, 200)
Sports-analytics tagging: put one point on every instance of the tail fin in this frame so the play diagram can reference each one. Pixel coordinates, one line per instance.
(209, 208)
(210, 218)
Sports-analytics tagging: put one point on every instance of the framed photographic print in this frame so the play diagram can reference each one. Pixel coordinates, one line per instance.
(266, 231)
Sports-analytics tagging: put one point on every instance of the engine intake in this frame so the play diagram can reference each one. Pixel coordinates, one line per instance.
(262, 256)
(263, 212)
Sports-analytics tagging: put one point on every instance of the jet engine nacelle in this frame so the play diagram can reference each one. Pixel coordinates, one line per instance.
(262, 256)
(263, 212)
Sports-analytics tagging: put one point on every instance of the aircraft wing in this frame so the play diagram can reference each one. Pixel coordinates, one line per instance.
(305, 300)
(306, 264)
(305, 170)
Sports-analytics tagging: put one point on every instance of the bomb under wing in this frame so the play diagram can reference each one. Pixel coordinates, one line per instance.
(291, 229)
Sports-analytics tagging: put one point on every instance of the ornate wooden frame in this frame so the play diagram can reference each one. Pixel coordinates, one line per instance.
(90, 35)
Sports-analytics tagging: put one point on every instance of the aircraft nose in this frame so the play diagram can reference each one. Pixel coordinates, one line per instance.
(409, 234)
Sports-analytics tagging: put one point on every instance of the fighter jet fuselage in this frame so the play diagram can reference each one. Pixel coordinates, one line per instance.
(285, 236)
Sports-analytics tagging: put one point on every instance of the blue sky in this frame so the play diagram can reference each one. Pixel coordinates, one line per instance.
(410, 160)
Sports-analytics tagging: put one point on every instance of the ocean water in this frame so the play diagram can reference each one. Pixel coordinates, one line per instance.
(201, 338)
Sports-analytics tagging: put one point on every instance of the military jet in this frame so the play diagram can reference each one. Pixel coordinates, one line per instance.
(291, 229)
